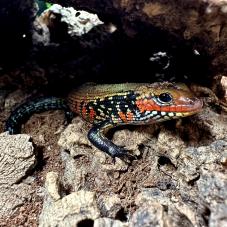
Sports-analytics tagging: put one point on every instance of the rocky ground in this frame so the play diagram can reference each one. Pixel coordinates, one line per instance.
(50, 175)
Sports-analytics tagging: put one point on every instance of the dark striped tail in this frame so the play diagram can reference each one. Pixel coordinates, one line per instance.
(23, 112)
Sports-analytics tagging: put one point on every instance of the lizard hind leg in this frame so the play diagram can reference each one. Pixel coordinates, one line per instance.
(97, 138)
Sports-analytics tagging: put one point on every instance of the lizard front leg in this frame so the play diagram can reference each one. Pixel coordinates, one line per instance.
(97, 138)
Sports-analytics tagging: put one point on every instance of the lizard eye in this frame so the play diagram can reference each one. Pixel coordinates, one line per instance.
(165, 98)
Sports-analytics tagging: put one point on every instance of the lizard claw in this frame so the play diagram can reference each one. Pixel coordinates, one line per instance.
(122, 154)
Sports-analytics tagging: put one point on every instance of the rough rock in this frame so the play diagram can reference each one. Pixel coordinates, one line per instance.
(213, 124)
(192, 159)
(165, 144)
(190, 166)
(14, 196)
(73, 174)
(212, 190)
(150, 215)
(107, 222)
(212, 185)
(17, 158)
(78, 22)
(173, 207)
(176, 167)
(110, 205)
(155, 214)
(218, 215)
(74, 138)
(52, 185)
(70, 210)
(224, 86)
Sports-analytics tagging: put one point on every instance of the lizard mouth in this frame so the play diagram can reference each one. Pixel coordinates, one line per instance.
(195, 105)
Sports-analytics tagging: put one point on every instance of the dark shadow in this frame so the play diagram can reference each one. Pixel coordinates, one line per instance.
(86, 223)
(122, 215)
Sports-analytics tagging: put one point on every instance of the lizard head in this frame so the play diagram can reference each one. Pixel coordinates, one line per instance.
(168, 100)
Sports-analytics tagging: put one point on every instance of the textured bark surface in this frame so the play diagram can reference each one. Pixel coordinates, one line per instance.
(201, 23)
(179, 176)
(16, 159)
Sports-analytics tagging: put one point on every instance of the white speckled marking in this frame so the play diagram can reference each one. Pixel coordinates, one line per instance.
(171, 114)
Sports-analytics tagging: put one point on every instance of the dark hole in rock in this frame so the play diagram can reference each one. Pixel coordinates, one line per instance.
(41, 161)
(79, 156)
(164, 161)
(67, 151)
(192, 182)
(86, 223)
(66, 189)
(59, 32)
(168, 186)
(206, 215)
(141, 147)
(122, 215)
(166, 208)
(77, 14)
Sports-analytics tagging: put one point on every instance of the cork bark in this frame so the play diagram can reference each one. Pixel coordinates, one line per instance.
(201, 23)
